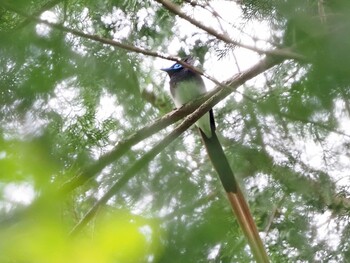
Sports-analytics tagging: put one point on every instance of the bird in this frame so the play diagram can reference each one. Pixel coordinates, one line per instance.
(187, 85)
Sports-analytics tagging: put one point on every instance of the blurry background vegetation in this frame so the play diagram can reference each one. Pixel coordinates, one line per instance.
(66, 102)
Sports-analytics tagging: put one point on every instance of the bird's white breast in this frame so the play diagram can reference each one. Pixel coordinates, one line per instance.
(186, 92)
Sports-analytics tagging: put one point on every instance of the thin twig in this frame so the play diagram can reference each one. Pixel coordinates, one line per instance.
(318, 124)
(285, 53)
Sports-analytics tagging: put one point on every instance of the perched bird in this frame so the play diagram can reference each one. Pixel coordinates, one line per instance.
(185, 86)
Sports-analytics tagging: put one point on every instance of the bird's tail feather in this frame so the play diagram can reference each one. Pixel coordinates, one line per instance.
(219, 161)
(235, 196)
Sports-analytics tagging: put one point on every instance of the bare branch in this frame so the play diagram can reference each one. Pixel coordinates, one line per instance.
(286, 53)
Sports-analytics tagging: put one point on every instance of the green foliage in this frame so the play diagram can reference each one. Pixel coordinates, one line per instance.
(116, 238)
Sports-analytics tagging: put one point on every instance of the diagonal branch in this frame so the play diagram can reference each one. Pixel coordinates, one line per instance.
(123, 146)
(175, 9)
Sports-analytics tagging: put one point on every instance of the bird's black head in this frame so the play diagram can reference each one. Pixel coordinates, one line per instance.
(177, 67)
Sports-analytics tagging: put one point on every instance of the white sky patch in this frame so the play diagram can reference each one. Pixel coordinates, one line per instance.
(120, 21)
(42, 29)
(342, 115)
(147, 232)
(328, 229)
(165, 210)
(142, 204)
(180, 155)
(108, 107)
(66, 101)
(310, 152)
(30, 125)
(213, 252)
(19, 193)
(260, 181)
(145, 17)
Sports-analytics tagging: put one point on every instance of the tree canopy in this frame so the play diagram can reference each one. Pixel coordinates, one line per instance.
(97, 166)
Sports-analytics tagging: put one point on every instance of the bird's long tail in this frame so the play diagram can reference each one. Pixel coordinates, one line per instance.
(234, 194)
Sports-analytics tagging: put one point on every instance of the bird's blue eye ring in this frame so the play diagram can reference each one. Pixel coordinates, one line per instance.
(177, 66)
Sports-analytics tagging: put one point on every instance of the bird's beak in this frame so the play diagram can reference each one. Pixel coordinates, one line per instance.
(166, 69)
